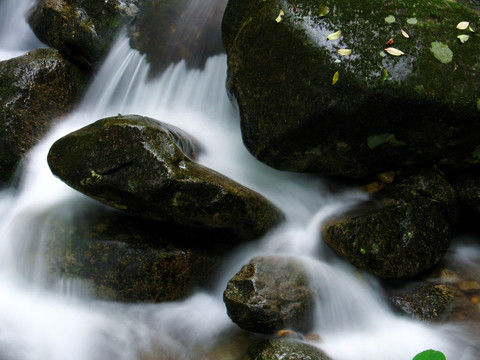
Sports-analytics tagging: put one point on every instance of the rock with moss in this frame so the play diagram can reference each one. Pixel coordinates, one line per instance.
(401, 233)
(319, 91)
(285, 349)
(170, 31)
(146, 168)
(35, 90)
(81, 29)
(121, 257)
(270, 294)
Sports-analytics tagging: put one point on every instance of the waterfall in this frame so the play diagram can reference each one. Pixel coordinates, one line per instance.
(37, 322)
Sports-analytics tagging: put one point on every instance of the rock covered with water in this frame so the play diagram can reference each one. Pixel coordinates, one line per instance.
(146, 168)
(404, 231)
(36, 89)
(174, 30)
(81, 29)
(270, 294)
(307, 107)
(285, 349)
(123, 258)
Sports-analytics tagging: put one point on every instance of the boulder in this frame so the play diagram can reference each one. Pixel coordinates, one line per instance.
(285, 349)
(124, 258)
(401, 233)
(306, 107)
(35, 90)
(145, 167)
(170, 31)
(270, 294)
(83, 30)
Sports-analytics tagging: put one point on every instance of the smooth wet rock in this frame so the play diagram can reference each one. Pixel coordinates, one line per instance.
(123, 258)
(170, 31)
(270, 294)
(403, 232)
(36, 89)
(285, 349)
(83, 30)
(145, 167)
(384, 111)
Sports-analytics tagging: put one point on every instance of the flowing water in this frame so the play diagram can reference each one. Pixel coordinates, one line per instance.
(39, 322)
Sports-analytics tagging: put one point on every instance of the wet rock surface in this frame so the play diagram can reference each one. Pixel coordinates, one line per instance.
(270, 294)
(169, 31)
(36, 89)
(83, 30)
(382, 111)
(403, 232)
(145, 168)
(285, 349)
(123, 258)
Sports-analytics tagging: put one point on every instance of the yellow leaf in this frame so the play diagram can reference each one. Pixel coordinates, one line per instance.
(405, 35)
(334, 36)
(463, 38)
(462, 25)
(279, 17)
(394, 52)
(344, 52)
(335, 78)
(323, 10)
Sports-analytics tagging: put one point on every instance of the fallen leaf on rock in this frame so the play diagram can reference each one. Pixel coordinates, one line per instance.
(390, 41)
(404, 33)
(390, 19)
(323, 10)
(384, 75)
(462, 25)
(334, 36)
(344, 52)
(463, 38)
(335, 78)
(412, 21)
(279, 17)
(394, 51)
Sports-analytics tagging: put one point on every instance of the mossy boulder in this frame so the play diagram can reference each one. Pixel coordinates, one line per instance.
(383, 111)
(401, 233)
(121, 257)
(270, 294)
(145, 167)
(35, 90)
(174, 30)
(285, 349)
(81, 29)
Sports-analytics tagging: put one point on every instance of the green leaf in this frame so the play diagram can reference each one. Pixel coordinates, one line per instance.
(335, 78)
(463, 38)
(412, 21)
(334, 36)
(323, 10)
(430, 355)
(441, 52)
(390, 19)
(384, 75)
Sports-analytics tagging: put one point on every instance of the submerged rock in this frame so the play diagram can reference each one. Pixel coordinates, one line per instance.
(145, 167)
(81, 29)
(270, 294)
(402, 233)
(35, 90)
(285, 349)
(306, 107)
(124, 258)
(171, 31)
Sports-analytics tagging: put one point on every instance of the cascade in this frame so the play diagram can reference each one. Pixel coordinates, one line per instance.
(38, 321)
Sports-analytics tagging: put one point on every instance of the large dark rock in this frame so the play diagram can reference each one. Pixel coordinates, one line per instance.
(81, 29)
(384, 111)
(145, 168)
(404, 230)
(35, 90)
(285, 349)
(467, 188)
(121, 257)
(174, 30)
(269, 294)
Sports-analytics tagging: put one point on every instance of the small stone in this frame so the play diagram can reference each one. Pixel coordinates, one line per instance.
(387, 177)
(373, 187)
(469, 285)
(288, 334)
(313, 338)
